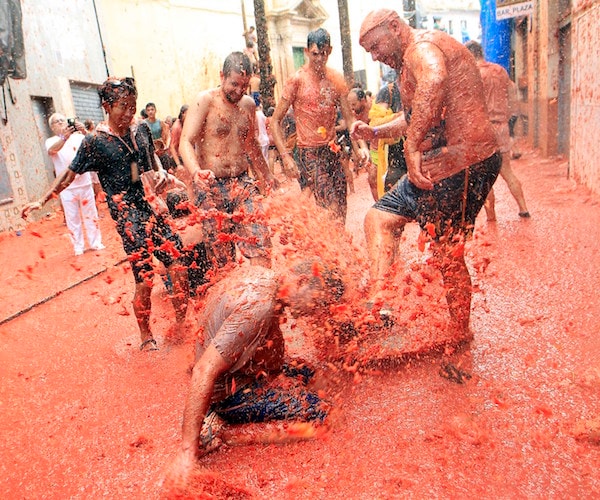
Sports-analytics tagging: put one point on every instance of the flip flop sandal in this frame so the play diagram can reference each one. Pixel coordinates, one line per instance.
(149, 345)
(210, 432)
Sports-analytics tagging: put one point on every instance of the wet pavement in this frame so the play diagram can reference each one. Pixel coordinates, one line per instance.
(84, 414)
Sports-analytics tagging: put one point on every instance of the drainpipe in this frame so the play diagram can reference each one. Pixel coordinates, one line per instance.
(101, 40)
(495, 35)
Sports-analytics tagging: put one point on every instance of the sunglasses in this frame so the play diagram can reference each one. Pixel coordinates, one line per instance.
(127, 81)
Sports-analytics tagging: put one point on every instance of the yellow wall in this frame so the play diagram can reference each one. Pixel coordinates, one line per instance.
(173, 48)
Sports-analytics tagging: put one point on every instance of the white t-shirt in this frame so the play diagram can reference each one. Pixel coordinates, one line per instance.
(261, 122)
(64, 157)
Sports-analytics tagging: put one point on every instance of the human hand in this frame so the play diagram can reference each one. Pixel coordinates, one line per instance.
(161, 180)
(201, 180)
(415, 173)
(364, 157)
(27, 209)
(360, 130)
(289, 166)
(80, 127)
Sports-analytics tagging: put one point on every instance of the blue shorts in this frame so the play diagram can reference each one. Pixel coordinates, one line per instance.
(263, 401)
(448, 206)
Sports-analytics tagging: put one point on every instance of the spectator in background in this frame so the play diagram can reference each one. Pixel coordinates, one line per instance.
(496, 84)
(254, 86)
(176, 137)
(160, 135)
(261, 132)
(78, 199)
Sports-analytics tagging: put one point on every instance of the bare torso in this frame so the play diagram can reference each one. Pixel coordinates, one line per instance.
(467, 132)
(220, 147)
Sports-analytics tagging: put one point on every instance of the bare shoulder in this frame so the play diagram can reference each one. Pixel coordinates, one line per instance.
(337, 79)
(247, 104)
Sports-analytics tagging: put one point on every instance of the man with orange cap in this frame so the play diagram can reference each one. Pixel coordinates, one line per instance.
(450, 150)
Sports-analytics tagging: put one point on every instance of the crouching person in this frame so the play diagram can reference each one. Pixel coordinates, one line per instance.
(240, 376)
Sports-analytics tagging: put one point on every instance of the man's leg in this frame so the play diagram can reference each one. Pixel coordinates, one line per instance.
(450, 259)
(514, 184)
(382, 231)
(70, 203)
(141, 309)
(490, 206)
(180, 294)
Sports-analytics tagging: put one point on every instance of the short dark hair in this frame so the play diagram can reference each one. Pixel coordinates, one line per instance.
(237, 62)
(115, 88)
(150, 105)
(319, 37)
(182, 110)
(475, 48)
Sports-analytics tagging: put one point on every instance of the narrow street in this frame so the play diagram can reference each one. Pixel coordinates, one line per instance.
(84, 414)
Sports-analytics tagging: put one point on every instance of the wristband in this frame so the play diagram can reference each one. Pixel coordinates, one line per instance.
(375, 131)
(62, 138)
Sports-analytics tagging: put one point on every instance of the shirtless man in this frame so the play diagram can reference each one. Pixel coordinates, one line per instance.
(450, 151)
(497, 86)
(315, 92)
(218, 146)
(240, 375)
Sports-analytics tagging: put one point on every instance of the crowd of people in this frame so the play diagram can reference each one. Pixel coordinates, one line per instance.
(188, 194)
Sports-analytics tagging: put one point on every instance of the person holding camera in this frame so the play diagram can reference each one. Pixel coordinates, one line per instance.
(78, 200)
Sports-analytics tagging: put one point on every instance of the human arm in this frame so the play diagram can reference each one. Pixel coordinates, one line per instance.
(359, 146)
(204, 374)
(62, 138)
(289, 165)
(393, 129)
(193, 130)
(61, 183)
(426, 63)
(165, 135)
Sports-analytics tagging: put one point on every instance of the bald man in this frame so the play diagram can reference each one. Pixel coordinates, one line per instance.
(450, 151)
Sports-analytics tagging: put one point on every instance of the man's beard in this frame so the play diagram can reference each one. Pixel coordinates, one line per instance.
(232, 98)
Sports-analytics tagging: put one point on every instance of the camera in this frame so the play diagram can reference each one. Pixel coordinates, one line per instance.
(71, 122)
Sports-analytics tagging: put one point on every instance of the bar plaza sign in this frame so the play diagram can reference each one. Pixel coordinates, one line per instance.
(506, 9)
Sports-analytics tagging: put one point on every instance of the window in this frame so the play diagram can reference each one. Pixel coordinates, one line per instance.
(86, 102)
(298, 53)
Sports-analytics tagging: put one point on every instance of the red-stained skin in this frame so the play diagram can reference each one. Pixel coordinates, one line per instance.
(84, 414)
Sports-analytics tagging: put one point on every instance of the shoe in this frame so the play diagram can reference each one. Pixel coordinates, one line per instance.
(99, 247)
(78, 252)
(524, 215)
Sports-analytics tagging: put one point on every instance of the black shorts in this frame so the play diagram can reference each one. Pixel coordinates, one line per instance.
(145, 234)
(448, 206)
(321, 170)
